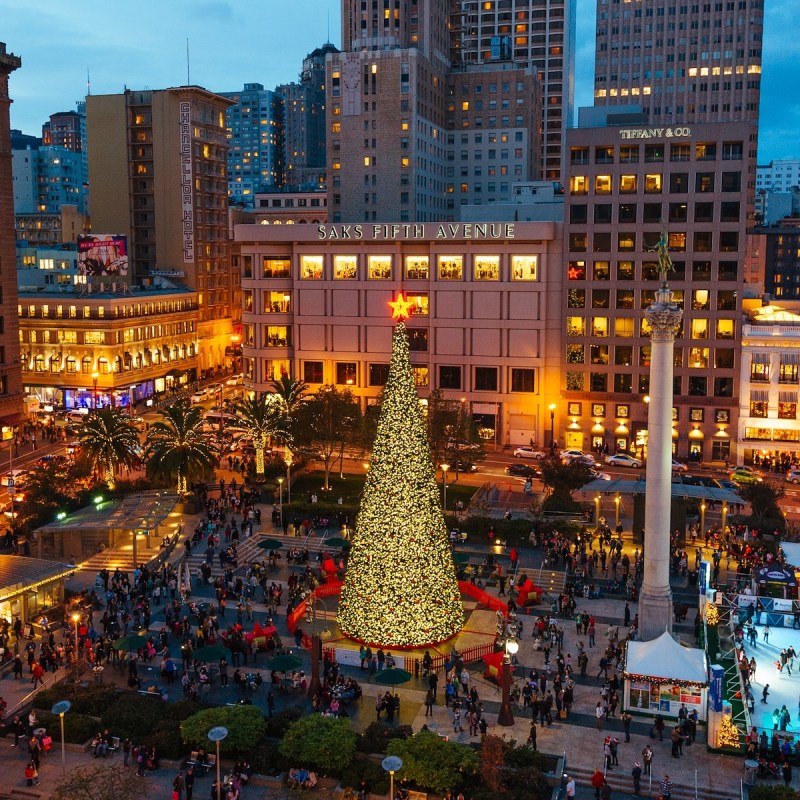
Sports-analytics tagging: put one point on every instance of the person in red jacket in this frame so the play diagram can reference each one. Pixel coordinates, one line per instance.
(597, 782)
(37, 672)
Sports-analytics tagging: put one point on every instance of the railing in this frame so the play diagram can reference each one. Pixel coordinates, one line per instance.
(49, 681)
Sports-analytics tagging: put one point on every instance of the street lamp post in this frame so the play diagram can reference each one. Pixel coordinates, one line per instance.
(596, 510)
(61, 708)
(289, 461)
(702, 518)
(617, 503)
(76, 618)
(280, 499)
(724, 516)
(315, 685)
(95, 376)
(444, 468)
(552, 408)
(506, 715)
(217, 735)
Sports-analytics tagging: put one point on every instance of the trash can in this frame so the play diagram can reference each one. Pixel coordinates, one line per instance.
(750, 770)
(692, 577)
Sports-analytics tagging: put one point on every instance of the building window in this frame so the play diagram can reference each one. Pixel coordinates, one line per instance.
(576, 326)
(487, 268)
(758, 406)
(576, 271)
(524, 267)
(277, 336)
(579, 184)
(575, 354)
(345, 268)
(417, 268)
(575, 381)
(652, 183)
(451, 268)
(598, 382)
(602, 184)
(312, 372)
(346, 373)
(485, 379)
(522, 380)
(627, 184)
(276, 267)
(378, 374)
(698, 386)
(598, 354)
(790, 365)
(420, 375)
(379, 268)
(623, 383)
(449, 377)
(418, 340)
(311, 268)
(787, 409)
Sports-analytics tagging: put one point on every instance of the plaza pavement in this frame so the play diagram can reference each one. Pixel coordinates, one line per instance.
(717, 776)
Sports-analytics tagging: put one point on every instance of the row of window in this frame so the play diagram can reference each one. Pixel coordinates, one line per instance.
(625, 327)
(700, 271)
(622, 411)
(677, 242)
(625, 355)
(654, 153)
(603, 213)
(124, 363)
(697, 386)
(64, 336)
(484, 379)
(760, 371)
(415, 267)
(654, 183)
(786, 409)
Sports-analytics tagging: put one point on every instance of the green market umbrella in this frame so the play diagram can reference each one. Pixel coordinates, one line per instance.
(336, 541)
(211, 652)
(130, 643)
(461, 558)
(285, 662)
(393, 676)
(270, 544)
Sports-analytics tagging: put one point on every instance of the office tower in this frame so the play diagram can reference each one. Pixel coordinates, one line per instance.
(537, 34)
(626, 183)
(684, 62)
(255, 142)
(158, 171)
(10, 376)
(47, 178)
(423, 91)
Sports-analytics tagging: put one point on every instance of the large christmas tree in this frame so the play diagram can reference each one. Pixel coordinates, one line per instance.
(400, 589)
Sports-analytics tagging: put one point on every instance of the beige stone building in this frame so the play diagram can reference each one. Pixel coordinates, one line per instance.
(158, 171)
(485, 328)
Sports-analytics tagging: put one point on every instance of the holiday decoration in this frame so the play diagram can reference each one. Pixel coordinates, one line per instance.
(400, 588)
(401, 308)
(728, 734)
(712, 614)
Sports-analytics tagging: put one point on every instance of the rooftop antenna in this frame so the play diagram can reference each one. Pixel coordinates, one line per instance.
(88, 83)
(329, 25)
(188, 79)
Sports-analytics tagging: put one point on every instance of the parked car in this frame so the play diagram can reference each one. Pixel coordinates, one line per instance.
(77, 415)
(19, 478)
(793, 476)
(623, 460)
(463, 466)
(600, 476)
(198, 397)
(678, 467)
(568, 456)
(724, 483)
(529, 452)
(523, 471)
(700, 480)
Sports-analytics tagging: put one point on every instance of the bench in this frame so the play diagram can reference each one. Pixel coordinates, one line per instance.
(148, 693)
(412, 795)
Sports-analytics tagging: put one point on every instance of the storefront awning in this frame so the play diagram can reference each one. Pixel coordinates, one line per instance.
(18, 573)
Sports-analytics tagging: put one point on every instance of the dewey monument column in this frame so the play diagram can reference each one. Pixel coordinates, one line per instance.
(664, 317)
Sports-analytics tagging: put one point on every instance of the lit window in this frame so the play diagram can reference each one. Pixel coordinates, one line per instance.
(417, 268)
(487, 268)
(523, 268)
(451, 268)
(311, 268)
(344, 267)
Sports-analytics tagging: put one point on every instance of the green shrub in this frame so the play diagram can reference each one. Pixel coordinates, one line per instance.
(180, 709)
(92, 700)
(166, 738)
(772, 793)
(133, 716)
(78, 728)
(265, 757)
(279, 724)
(322, 743)
(378, 734)
(364, 768)
(525, 756)
(245, 726)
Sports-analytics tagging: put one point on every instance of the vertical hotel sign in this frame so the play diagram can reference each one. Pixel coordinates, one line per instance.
(187, 194)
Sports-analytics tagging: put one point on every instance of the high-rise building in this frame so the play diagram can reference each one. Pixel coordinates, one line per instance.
(781, 175)
(626, 184)
(255, 142)
(683, 62)
(422, 92)
(537, 34)
(158, 172)
(10, 375)
(48, 177)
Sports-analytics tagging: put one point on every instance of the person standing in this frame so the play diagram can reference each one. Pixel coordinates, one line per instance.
(532, 735)
(599, 716)
(570, 790)
(647, 759)
(626, 724)
(765, 694)
(429, 703)
(189, 783)
(177, 785)
(665, 787)
(126, 751)
(636, 774)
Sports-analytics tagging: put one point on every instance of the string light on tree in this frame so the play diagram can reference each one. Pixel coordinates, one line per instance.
(728, 734)
(400, 589)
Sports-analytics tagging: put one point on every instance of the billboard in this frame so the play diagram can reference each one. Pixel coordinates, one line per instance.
(103, 254)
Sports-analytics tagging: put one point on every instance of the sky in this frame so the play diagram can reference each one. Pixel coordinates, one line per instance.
(142, 44)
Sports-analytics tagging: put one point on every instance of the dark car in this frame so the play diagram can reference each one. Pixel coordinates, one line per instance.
(464, 466)
(698, 480)
(523, 471)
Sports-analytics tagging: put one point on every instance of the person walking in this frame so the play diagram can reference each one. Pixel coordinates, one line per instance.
(636, 774)
(177, 785)
(647, 759)
(188, 783)
(429, 701)
(665, 787)
(765, 694)
(570, 789)
(532, 735)
(626, 724)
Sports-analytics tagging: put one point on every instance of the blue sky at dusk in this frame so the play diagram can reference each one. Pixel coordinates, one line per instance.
(232, 42)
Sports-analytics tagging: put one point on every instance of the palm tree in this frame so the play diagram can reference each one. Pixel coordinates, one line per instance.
(177, 447)
(110, 441)
(291, 392)
(262, 417)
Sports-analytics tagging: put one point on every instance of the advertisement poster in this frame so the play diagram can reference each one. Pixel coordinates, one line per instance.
(103, 254)
(640, 694)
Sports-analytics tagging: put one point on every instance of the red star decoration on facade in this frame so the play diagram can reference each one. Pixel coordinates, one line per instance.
(574, 274)
(401, 308)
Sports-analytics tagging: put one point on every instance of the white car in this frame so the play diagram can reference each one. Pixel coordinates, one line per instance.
(678, 467)
(623, 460)
(234, 380)
(568, 456)
(528, 452)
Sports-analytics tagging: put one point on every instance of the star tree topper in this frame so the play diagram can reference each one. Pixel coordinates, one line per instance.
(401, 308)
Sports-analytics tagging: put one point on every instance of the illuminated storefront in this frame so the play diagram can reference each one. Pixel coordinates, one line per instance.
(30, 586)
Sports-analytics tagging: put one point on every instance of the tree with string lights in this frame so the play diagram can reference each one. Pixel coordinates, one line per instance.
(400, 588)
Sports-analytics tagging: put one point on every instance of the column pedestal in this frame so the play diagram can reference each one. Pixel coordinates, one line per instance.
(655, 615)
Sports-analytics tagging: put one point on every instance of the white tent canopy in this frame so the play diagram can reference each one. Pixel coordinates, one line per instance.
(665, 658)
